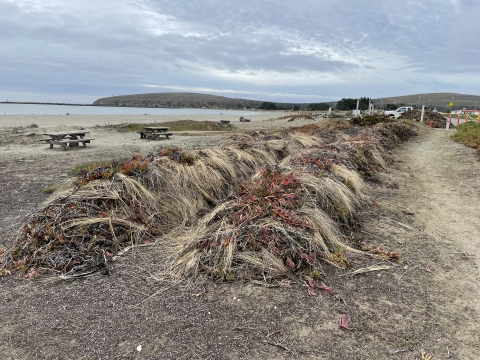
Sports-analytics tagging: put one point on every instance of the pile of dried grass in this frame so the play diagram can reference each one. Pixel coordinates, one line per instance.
(395, 133)
(287, 219)
(436, 119)
(86, 227)
(278, 223)
(324, 125)
(369, 120)
(114, 205)
(212, 210)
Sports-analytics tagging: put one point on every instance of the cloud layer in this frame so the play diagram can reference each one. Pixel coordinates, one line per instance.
(269, 50)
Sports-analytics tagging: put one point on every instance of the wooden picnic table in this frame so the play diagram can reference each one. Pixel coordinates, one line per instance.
(154, 132)
(224, 123)
(67, 138)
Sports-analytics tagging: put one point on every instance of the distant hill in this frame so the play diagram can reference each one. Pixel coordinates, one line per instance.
(188, 100)
(437, 100)
(193, 100)
(178, 100)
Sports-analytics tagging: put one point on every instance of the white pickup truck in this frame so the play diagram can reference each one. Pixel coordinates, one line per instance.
(398, 112)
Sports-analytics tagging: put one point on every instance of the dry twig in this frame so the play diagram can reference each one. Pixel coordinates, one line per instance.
(277, 345)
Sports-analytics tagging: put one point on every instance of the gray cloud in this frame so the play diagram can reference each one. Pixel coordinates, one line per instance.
(258, 49)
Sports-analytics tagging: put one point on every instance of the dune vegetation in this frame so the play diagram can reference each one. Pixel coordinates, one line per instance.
(256, 206)
(468, 134)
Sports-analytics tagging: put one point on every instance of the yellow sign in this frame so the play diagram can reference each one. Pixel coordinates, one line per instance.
(451, 103)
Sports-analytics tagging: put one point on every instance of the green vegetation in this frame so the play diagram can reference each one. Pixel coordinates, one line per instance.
(468, 134)
(178, 155)
(76, 171)
(135, 166)
(50, 189)
(319, 107)
(351, 104)
(369, 120)
(409, 342)
(268, 106)
(181, 125)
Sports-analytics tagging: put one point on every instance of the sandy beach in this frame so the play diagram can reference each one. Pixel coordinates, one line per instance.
(54, 121)
(20, 134)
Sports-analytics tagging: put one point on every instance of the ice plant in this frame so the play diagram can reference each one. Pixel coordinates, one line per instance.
(391, 255)
(346, 322)
(178, 155)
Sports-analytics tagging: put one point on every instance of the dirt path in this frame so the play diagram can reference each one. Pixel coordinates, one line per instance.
(440, 183)
(426, 208)
(448, 176)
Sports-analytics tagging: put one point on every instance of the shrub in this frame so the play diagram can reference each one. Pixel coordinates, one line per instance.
(468, 134)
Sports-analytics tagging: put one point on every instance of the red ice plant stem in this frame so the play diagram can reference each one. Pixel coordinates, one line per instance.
(346, 322)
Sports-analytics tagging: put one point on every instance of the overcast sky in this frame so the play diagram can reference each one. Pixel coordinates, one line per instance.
(274, 50)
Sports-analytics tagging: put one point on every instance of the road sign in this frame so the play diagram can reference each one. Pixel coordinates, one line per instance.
(451, 103)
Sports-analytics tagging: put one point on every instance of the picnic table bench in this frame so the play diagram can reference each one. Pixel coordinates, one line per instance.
(154, 132)
(67, 138)
(224, 123)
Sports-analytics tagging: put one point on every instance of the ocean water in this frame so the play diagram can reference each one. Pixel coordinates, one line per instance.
(35, 109)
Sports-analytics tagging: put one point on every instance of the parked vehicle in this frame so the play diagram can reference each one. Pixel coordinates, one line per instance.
(396, 113)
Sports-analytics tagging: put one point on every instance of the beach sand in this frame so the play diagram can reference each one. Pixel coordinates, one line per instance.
(53, 121)
(20, 134)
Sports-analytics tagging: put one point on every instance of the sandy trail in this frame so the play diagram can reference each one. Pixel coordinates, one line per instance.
(444, 194)
(446, 185)
(448, 176)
